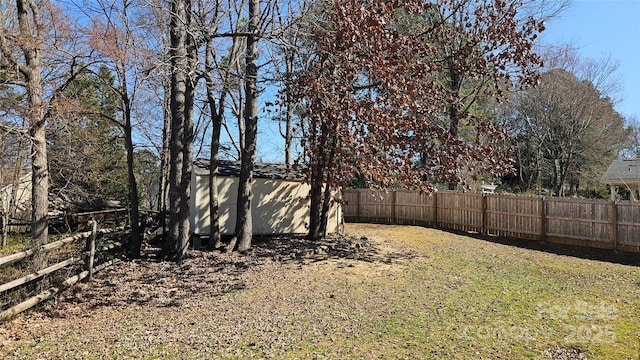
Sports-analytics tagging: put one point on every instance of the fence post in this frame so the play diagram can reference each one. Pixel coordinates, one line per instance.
(435, 209)
(393, 206)
(91, 249)
(614, 225)
(543, 220)
(357, 205)
(484, 214)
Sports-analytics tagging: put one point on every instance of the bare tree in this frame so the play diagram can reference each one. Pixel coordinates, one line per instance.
(566, 126)
(600, 72)
(234, 89)
(31, 32)
(221, 73)
(291, 52)
(28, 40)
(573, 129)
(118, 33)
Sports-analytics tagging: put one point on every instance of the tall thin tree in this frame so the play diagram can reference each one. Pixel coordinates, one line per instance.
(181, 135)
(244, 221)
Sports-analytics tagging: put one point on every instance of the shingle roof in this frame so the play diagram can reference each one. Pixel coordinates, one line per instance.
(622, 171)
(260, 170)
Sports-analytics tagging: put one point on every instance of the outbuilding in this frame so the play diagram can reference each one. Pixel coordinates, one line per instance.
(280, 203)
(623, 174)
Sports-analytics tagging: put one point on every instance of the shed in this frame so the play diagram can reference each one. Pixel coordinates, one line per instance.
(624, 174)
(280, 203)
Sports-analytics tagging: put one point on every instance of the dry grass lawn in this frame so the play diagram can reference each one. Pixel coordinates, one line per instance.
(381, 292)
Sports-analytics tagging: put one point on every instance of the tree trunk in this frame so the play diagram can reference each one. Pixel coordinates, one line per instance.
(564, 171)
(317, 181)
(16, 192)
(454, 116)
(288, 135)
(326, 201)
(163, 193)
(187, 167)
(178, 234)
(30, 46)
(136, 238)
(326, 207)
(215, 237)
(315, 207)
(40, 186)
(5, 223)
(244, 224)
(556, 176)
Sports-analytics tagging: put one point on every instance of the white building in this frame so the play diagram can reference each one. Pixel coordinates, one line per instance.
(623, 174)
(280, 203)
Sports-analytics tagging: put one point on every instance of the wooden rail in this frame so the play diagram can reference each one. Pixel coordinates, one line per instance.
(89, 268)
(54, 245)
(592, 223)
(48, 294)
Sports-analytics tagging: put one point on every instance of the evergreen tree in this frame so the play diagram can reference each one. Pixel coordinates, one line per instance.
(87, 161)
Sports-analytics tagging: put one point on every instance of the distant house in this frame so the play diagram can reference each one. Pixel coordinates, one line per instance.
(623, 174)
(280, 203)
(16, 199)
(15, 203)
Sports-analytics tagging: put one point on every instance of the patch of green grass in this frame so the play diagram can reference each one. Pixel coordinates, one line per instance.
(15, 243)
(476, 299)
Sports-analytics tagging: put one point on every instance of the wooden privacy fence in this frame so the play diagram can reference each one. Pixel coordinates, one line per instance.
(592, 223)
(86, 260)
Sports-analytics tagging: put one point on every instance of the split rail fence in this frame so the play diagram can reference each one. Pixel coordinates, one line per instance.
(82, 262)
(590, 223)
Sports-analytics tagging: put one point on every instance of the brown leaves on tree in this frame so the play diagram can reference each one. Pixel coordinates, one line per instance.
(395, 80)
(390, 95)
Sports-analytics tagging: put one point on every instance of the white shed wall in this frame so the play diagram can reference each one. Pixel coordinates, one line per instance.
(278, 206)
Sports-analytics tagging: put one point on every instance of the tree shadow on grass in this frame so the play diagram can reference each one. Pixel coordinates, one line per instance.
(150, 282)
(296, 248)
(582, 252)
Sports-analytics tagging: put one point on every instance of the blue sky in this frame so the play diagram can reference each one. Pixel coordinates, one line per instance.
(599, 28)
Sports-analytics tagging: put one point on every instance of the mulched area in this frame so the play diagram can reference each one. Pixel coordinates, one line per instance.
(151, 282)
